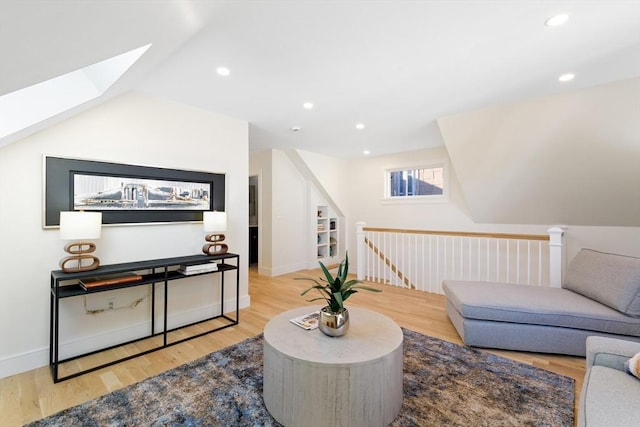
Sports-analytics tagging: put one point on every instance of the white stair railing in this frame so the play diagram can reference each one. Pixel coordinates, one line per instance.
(422, 259)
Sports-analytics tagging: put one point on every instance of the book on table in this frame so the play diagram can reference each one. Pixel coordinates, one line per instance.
(308, 321)
(111, 279)
(197, 268)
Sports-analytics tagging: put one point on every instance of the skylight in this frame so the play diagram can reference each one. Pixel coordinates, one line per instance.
(33, 104)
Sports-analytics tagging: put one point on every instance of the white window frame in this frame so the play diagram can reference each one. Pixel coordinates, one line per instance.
(387, 198)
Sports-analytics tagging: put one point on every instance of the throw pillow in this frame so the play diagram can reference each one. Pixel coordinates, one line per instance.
(632, 366)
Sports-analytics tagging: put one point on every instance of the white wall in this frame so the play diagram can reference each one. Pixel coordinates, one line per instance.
(131, 129)
(260, 165)
(366, 184)
(290, 213)
(570, 158)
(621, 240)
(284, 216)
(365, 204)
(359, 184)
(333, 174)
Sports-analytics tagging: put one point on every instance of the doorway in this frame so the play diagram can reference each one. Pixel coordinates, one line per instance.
(253, 219)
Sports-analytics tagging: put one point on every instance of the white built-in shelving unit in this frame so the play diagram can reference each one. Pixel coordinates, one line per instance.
(327, 234)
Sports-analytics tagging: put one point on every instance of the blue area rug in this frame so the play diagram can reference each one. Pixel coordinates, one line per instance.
(445, 384)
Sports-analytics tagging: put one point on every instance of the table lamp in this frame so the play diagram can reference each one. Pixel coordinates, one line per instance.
(215, 223)
(80, 225)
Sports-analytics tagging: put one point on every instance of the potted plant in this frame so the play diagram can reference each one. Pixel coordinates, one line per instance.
(334, 317)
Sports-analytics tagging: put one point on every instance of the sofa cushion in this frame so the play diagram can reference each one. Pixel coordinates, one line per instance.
(613, 280)
(612, 353)
(609, 398)
(503, 302)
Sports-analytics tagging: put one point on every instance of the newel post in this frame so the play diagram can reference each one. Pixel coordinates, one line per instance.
(556, 256)
(361, 249)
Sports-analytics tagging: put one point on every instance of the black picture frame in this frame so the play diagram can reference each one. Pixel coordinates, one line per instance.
(58, 190)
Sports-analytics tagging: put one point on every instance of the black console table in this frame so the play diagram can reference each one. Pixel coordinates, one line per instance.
(161, 271)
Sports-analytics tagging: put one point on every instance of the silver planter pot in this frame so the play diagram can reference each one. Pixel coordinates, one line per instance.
(333, 324)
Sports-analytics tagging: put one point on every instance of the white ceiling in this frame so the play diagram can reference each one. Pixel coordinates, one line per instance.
(395, 66)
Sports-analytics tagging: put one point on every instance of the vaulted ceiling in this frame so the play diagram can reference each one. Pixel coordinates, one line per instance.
(395, 66)
(571, 158)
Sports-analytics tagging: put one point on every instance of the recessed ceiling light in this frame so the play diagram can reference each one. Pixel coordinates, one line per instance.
(567, 77)
(557, 20)
(366, 152)
(308, 105)
(360, 126)
(223, 71)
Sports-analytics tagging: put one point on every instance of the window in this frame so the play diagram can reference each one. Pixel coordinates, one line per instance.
(33, 104)
(424, 182)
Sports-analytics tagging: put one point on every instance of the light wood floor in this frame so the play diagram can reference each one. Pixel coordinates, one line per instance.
(32, 395)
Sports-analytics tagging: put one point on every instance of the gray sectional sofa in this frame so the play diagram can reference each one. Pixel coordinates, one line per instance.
(600, 297)
(610, 396)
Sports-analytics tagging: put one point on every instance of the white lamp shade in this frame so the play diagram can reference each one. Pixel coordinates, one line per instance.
(214, 221)
(80, 225)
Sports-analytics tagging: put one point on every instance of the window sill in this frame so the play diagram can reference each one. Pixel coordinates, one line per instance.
(414, 200)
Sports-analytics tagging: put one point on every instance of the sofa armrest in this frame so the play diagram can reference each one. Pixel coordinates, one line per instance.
(610, 352)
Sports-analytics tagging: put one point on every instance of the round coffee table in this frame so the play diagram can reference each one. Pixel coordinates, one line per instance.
(311, 379)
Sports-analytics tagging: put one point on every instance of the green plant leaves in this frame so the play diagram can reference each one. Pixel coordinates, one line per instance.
(327, 274)
(336, 290)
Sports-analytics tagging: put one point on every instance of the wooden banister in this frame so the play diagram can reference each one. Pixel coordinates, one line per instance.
(389, 264)
(541, 237)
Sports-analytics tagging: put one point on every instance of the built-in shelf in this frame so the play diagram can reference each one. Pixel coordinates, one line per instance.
(326, 234)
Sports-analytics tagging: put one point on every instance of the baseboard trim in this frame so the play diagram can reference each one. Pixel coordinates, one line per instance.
(37, 358)
(278, 271)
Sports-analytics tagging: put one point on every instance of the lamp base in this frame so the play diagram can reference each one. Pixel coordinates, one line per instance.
(215, 247)
(76, 263)
(79, 251)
